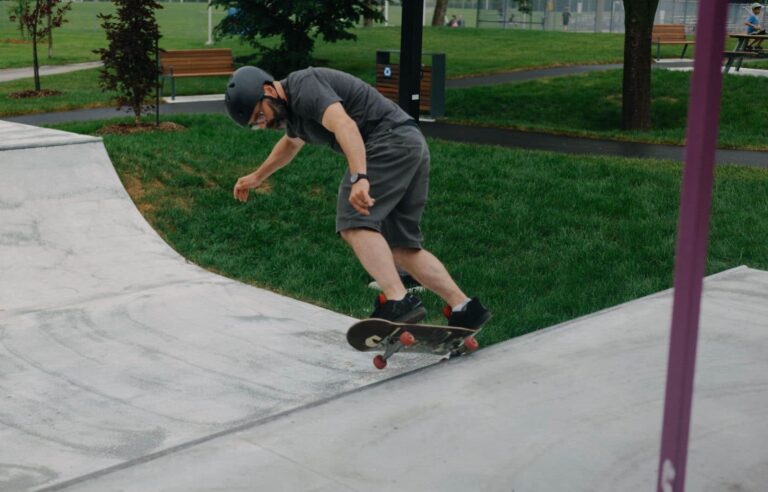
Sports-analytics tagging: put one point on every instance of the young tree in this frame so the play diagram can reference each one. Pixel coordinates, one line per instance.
(15, 14)
(31, 15)
(130, 66)
(636, 92)
(298, 23)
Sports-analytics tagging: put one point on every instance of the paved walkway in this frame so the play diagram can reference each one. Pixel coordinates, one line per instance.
(457, 133)
(8, 74)
(470, 133)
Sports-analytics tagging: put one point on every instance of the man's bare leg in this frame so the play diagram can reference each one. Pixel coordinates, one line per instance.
(431, 273)
(374, 254)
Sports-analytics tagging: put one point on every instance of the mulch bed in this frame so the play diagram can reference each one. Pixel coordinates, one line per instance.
(33, 94)
(130, 128)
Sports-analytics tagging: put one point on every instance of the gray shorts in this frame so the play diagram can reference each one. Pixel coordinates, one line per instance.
(398, 170)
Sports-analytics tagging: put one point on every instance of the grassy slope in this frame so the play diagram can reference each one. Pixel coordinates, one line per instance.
(541, 237)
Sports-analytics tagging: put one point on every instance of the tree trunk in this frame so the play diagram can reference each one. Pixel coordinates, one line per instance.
(35, 62)
(50, 32)
(636, 94)
(441, 7)
(367, 21)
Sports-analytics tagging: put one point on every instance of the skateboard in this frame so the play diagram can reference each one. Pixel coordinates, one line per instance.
(382, 335)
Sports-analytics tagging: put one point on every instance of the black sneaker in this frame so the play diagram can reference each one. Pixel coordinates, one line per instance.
(473, 316)
(407, 310)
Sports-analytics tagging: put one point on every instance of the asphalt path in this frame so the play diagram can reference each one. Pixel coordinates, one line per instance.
(471, 133)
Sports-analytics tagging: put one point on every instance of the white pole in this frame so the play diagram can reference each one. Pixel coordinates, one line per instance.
(386, 12)
(210, 25)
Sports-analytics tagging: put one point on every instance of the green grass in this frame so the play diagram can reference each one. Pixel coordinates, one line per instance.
(468, 51)
(591, 105)
(79, 90)
(184, 25)
(540, 237)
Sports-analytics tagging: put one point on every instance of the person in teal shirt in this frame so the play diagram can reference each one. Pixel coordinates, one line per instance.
(754, 26)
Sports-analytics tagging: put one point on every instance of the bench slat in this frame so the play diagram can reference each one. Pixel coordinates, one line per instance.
(188, 63)
(669, 33)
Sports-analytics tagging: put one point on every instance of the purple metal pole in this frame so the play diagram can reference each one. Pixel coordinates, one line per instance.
(691, 254)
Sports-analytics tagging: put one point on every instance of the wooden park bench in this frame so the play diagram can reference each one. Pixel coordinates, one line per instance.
(194, 63)
(669, 34)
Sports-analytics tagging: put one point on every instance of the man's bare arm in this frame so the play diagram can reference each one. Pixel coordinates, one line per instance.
(336, 120)
(282, 154)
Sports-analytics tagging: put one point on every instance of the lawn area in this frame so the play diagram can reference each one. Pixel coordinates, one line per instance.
(183, 25)
(540, 237)
(591, 105)
(468, 51)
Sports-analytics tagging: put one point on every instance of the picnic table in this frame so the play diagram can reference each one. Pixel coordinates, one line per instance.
(740, 51)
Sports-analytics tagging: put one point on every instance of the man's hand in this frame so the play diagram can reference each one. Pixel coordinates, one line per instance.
(244, 185)
(359, 197)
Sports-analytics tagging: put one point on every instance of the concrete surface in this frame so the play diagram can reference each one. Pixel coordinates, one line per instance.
(752, 72)
(112, 346)
(574, 408)
(8, 74)
(124, 368)
(194, 99)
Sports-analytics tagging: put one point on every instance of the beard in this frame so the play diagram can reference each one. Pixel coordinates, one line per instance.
(280, 111)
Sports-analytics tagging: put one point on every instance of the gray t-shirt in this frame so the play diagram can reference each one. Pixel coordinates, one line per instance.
(312, 90)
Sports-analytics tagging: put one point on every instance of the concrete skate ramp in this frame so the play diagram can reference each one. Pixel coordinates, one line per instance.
(575, 408)
(113, 347)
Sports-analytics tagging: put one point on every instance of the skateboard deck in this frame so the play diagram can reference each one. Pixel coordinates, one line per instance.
(385, 336)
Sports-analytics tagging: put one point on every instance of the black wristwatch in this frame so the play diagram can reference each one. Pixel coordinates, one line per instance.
(355, 177)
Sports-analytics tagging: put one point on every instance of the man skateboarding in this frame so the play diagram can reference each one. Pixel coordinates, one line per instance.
(384, 190)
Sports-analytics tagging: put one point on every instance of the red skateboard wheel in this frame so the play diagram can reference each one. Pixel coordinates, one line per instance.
(407, 338)
(379, 362)
(471, 344)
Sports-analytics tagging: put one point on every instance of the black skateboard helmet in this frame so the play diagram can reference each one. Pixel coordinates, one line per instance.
(244, 91)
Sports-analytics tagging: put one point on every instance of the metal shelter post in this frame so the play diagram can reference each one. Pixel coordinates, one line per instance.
(410, 57)
(691, 251)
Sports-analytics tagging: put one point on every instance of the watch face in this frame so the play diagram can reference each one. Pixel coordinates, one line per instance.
(357, 177)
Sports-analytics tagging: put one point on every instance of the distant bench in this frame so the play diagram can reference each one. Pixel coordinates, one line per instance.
(194, 63)
(669, 34)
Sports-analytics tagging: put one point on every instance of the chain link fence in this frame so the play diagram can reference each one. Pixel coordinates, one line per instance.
(563, 15)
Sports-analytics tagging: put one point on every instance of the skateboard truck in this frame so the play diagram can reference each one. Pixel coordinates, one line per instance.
(394, 343)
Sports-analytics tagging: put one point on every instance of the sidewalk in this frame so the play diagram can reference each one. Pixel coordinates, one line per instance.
(9, 74)
(452, 132)
(469, 133)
